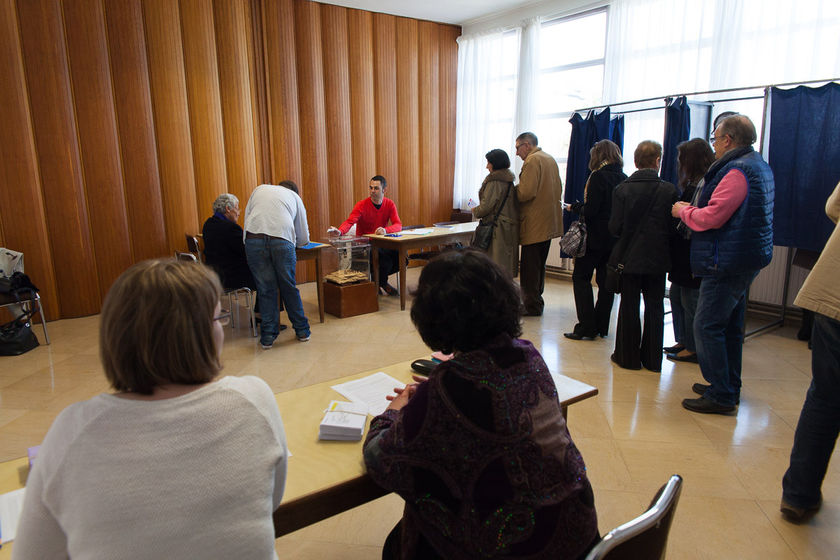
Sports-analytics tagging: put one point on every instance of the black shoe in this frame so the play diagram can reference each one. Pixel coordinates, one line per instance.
(700, 389)
(576, 336)
(673, 349)
(388, 289)
(677, 358)
(614, 360)
(706, 406)
(797, 514)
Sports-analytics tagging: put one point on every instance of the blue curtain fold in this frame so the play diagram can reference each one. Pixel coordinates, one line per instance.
(585, 133)
(677, 129)
(804, 154)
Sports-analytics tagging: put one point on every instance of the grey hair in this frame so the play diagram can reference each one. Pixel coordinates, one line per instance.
(529, 137)
(225, 201)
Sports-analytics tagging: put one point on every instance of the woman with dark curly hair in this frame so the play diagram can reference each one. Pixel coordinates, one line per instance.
(605, 162)
(497, 191)
(480, 451)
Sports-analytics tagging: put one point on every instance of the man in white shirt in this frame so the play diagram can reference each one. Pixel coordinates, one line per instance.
(275, 223)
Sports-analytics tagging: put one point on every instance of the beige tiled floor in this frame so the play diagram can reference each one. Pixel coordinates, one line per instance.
(633, 435)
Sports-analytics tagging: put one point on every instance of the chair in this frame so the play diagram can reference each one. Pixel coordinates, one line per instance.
(27, 304)
(185, 257)
(193, 247)
(647, 535)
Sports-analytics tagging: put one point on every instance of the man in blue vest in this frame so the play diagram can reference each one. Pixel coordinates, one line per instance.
(732, 241)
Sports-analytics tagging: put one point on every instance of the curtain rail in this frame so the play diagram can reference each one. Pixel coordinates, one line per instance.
(659, 108)
(727, 90)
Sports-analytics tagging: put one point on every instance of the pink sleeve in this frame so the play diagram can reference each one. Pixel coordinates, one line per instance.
(725, 200)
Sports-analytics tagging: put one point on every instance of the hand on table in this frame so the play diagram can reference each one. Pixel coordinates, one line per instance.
(380, 231)
(403, 394)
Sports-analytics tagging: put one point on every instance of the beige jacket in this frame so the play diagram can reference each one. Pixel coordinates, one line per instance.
(821, 291)
(539, 193)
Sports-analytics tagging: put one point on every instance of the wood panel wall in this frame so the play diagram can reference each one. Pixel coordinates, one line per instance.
(124, 119)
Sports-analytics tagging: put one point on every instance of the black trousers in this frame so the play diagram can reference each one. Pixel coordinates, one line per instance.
(634, 347)
(532, 276)
(389, 263)
(593, 317)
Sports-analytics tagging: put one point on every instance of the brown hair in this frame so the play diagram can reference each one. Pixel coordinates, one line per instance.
(604, 151)
(157, 326)
(646, 154)
(694, 157)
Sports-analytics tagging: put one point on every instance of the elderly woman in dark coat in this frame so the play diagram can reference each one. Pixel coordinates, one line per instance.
(504, 249)
(605, 162)
(641, 219)
(480, 451)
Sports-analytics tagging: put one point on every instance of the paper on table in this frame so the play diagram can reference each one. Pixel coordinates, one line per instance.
(11, 504)
(418, 231)
(370, 390)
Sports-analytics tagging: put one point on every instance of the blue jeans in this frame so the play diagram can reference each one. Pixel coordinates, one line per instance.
(683, 309)
(273, 262)
(819, 422)
(719, 336)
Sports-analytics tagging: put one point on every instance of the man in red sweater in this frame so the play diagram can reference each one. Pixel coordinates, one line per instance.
(372, 215)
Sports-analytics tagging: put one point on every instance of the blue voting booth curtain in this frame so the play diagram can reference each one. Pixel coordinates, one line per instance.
(677, 127)
(804, 154)
(585, 133)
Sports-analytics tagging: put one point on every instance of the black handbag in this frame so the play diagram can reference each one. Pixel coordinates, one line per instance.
(483, 235)
(16, 336)
(573, 243)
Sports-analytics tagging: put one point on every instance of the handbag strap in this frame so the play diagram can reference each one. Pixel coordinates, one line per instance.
(502, 205)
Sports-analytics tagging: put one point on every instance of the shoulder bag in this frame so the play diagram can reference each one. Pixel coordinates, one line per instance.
(483, 235)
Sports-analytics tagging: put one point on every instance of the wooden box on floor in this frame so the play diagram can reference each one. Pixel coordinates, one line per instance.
(351, 299)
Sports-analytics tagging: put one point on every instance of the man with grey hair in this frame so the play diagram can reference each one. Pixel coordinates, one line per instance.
(223, 246)
(540, 214)
(732, 239)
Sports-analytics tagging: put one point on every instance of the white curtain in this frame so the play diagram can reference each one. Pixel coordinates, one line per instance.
(527, 85)
(485, 108)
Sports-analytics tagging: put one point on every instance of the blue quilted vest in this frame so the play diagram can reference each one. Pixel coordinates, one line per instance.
(745, 242)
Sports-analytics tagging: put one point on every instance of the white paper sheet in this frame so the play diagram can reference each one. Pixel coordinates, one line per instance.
(370, 390)
(418, 231)
(11, 504)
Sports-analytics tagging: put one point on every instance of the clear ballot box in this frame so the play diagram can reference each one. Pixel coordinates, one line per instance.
(353, 253)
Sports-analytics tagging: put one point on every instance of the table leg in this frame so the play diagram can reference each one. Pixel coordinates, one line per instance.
(375, 265)
(319, 282)
(403, 287)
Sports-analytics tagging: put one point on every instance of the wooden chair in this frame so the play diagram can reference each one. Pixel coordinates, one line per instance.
(647, 535)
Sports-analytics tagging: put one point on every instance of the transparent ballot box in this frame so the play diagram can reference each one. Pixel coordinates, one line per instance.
(353, 253)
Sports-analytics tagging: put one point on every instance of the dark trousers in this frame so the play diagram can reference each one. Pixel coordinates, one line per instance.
(389, 263)
(532, 276)
(819, 422)
(593, 317)
(634, 347)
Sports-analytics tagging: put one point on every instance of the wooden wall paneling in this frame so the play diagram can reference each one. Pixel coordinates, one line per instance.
(87, 46)
(235, 81)
(201, 70)
(314, 185)
(428, 81)
(22, 214)
(281, 82)
(51, 104)
(172, 120)
(408, 129)
(259, 101)
(385, 104)
(136, 128)
(362, 111)
(448, 83)
(339, 161)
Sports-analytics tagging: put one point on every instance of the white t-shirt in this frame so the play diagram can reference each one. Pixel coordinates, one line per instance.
(279, 212)
(195, 476)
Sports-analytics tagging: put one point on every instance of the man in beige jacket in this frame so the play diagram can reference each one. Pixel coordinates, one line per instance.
(539, 193)
(819, 422)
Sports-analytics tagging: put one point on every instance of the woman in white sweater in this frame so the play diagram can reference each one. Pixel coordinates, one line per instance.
(174, 463)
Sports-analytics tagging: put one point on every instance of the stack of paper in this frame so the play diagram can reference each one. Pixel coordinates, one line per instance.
(343, 421)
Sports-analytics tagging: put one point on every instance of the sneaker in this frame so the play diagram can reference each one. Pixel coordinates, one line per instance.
(266, 345)
(707, 406)
(797, 514)
(304, 338)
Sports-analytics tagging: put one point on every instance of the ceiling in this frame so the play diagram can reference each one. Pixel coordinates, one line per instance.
(446, 11)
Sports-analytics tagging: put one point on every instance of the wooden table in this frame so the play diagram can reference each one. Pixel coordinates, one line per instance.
(406, 241)
(309, 254)
(323, 478)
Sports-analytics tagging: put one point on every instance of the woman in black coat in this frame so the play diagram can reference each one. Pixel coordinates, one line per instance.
(605, 162)
(694, 158)
(641, 219)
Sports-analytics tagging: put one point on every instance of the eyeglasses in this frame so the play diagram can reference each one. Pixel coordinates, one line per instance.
(716, 138)
(223, 318)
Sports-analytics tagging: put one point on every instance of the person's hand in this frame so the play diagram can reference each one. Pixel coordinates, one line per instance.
(380, 231)
(402, 396)
(333, 231)
(675, 209)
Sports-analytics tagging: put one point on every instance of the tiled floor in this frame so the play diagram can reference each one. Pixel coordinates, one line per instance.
(633, 435)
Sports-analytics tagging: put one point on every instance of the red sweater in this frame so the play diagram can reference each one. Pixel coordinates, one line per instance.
(367, 217)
